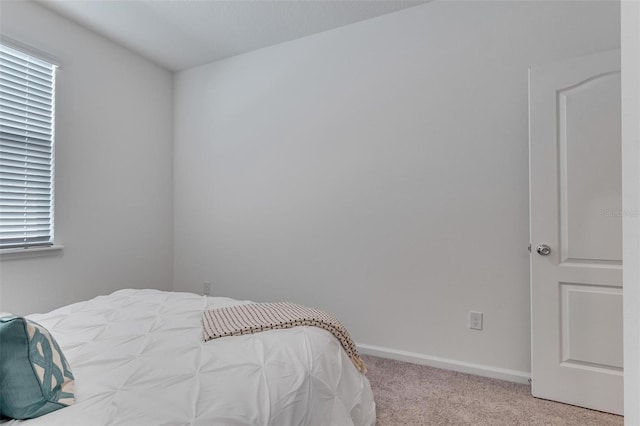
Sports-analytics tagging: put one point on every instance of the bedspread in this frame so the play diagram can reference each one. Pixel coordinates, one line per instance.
(139, 358)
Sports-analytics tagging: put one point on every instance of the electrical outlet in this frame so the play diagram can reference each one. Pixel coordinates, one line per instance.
(475, 320)
(206, 288)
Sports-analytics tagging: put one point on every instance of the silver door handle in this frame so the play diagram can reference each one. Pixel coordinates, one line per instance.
(543, 250)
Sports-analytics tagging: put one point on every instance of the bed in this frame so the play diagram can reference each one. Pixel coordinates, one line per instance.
(138, 358)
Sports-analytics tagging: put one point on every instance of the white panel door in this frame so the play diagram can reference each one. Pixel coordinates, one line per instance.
(576, 208)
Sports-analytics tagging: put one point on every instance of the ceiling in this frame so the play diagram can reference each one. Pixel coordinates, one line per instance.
(180, 34)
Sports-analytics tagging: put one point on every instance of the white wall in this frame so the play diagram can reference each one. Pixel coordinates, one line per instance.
(631, 205)
(113, 169)
(378, 171)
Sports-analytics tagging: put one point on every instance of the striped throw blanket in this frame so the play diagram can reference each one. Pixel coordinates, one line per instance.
(255, 317)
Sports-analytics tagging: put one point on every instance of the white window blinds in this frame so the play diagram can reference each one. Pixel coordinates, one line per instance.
(26, 149)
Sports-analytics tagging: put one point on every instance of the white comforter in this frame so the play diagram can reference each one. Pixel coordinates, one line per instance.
(139, 358)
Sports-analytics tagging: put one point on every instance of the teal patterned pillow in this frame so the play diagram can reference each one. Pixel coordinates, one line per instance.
(35, 378)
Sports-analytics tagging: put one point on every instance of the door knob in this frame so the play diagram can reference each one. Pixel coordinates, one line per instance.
(543, 250)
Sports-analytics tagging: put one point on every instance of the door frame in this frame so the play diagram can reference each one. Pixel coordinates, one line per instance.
(630, 46)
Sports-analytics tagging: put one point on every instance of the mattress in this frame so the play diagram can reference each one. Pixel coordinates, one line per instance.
(138, 358)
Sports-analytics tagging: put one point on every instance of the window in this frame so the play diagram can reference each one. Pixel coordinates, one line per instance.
(26, 149)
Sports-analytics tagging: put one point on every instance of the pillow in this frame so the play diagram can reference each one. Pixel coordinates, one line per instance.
(35, 378)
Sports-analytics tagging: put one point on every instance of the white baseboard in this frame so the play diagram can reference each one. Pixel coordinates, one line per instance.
(447, 364)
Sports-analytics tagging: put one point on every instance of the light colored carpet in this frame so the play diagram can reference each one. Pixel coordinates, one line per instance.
(409, 394)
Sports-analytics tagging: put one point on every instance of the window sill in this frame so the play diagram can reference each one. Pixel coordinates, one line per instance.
(21, 253)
